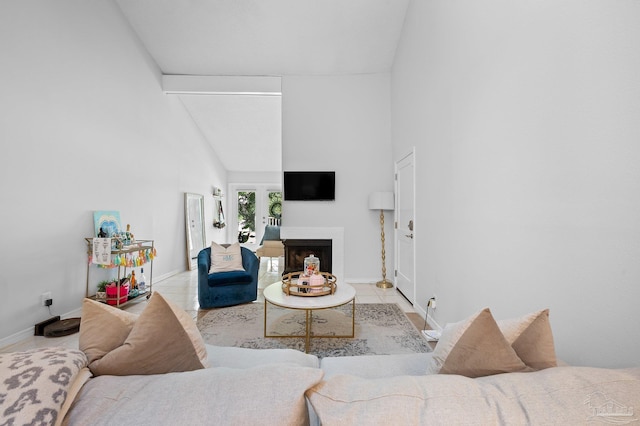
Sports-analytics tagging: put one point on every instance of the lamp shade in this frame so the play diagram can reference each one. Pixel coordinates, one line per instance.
(381, 201)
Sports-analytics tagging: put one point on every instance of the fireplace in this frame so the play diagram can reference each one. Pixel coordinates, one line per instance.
(335, 234)
(295, 250)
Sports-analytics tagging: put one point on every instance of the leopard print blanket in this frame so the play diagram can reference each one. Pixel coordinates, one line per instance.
(35, 384)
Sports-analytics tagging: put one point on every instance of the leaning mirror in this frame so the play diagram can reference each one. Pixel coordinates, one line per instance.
(194, 222)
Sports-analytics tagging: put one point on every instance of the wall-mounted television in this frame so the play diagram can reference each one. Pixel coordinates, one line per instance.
(309, 186)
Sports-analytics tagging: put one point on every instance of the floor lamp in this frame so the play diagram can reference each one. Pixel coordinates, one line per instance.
(382, 201)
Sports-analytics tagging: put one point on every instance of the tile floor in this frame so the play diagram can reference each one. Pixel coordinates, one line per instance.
(182, 289)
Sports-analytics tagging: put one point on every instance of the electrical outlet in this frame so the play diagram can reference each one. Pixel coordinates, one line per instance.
(44, 297)
(431, 303)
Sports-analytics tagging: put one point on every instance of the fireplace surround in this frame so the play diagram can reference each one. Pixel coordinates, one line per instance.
(335, 234)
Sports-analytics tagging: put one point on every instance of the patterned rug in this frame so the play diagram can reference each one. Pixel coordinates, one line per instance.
(380, 328)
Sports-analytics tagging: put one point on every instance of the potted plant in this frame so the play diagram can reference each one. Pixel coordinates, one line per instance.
(101, 294)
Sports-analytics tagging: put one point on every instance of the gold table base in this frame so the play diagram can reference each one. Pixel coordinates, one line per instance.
(309, 320)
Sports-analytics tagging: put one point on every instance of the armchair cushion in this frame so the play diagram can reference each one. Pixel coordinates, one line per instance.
(229, 278)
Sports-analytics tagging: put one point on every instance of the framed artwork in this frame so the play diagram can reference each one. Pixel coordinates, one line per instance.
(106, 223)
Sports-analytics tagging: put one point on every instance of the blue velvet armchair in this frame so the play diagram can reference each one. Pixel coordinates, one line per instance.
(227, 288)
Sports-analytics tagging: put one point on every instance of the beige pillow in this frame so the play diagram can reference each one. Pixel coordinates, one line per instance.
(164, 339)
(225, 259)
(474, 347)
(531, 337)
(103, 328)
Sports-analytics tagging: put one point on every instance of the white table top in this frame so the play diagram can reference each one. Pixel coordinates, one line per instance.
(344, 294)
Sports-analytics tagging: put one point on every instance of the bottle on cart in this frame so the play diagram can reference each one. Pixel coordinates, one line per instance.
(133, 283)
(142, 282)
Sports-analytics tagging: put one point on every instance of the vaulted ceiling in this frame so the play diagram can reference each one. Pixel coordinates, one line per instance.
(261, 38)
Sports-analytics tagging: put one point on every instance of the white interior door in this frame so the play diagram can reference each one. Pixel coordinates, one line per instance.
(405, 227)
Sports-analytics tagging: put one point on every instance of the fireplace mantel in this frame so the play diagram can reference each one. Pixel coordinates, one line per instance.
(336, 235)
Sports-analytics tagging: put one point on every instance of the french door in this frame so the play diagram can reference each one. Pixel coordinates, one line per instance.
(255, 207)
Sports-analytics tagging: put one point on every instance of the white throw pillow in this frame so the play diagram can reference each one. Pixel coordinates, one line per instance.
(226, 259)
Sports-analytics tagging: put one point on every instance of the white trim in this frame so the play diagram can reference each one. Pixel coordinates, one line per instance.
(411, 154)
(370, 280)
(430, 320)
(29, 332)
(221, 85)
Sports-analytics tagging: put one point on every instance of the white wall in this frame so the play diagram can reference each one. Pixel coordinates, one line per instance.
(85, 126)
(526, 120)
(341, 123)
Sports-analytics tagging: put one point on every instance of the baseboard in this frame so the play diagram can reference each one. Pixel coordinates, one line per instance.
(371, 281)
(28, 332)
(433, 323)
(168, 275)
(432, 335)
(16, 337)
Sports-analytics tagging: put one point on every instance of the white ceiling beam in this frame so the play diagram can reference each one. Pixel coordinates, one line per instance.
(217, 85)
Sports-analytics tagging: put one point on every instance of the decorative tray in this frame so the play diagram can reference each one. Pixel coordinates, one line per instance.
(291, 285)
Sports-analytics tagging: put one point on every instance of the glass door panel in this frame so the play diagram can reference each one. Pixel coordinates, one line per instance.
(274, 208)
(246, 217)
(256, 207)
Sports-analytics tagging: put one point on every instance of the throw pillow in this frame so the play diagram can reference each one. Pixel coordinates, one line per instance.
(474, 347)
(225, 259)
(531, 337)
(164, 339)
(103, 328)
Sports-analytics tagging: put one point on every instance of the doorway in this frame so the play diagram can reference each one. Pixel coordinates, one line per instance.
(255, 207)
(405, 227)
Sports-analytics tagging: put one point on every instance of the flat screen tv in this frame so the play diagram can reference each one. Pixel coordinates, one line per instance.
(309, 186)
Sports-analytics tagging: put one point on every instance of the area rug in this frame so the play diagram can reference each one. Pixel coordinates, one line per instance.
(380, 328)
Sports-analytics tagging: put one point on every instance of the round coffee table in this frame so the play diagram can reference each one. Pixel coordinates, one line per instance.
(344, 294)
